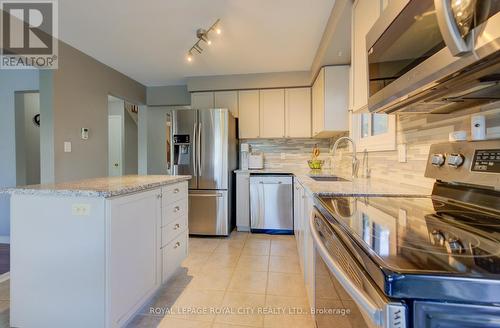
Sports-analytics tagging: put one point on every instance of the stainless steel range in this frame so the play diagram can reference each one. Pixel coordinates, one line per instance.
(415, 262)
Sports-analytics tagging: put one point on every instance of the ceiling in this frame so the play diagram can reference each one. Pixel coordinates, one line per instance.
(148, 40)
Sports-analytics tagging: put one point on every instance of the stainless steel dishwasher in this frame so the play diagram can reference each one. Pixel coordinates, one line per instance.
(271, 203)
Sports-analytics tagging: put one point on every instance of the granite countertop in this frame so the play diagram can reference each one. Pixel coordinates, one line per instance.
(353, 187)
(100, 187)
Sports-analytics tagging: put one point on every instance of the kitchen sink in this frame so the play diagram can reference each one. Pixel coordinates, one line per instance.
(327, 178)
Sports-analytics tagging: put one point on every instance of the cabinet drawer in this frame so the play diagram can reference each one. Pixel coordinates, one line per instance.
(173, 211)
(174, 192)
(173, 254)
(171, 230)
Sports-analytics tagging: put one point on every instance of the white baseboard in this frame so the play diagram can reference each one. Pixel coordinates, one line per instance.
(4, 277)
(4, 239)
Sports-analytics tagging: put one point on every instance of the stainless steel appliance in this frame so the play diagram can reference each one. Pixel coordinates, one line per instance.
(415, 261)
(434, 56)
(205, 146)
(271, 208)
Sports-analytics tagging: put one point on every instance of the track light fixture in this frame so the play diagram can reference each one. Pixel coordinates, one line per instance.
(203, 36)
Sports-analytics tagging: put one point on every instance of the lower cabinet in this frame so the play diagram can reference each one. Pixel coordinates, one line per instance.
(303, 208)
(133, 240)
(173, 254)
(243, 201)
(174, 230)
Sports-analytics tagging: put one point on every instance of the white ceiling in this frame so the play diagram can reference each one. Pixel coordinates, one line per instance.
(148, 40)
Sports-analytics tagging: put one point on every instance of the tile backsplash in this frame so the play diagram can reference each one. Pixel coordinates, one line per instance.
(292, 153)
(417, 131)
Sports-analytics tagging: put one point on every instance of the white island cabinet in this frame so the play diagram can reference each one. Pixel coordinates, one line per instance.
(92, 253)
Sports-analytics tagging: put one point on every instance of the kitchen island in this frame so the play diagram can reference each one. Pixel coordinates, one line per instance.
(91, 253)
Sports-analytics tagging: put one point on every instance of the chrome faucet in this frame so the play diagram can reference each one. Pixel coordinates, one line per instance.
(355, 162)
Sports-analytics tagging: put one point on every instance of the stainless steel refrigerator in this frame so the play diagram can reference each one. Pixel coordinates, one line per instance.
(205, 146)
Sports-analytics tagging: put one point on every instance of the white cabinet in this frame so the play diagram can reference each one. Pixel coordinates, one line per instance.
(330, 97)
(272, 113)
(298, 222)
(112, 253)
(134, 265)
(249, 121)
(174, 228)
(227, 99)
(303, 208)
(202, 100)
(298, 112)
(364, 15)
(243, 201)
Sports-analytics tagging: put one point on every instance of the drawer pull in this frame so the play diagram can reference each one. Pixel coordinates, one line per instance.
(177, 244)
(176, 190)
(177, 209)
(177, 226)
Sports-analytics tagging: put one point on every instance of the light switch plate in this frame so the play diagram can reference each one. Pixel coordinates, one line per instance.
(402, 153)
(80, 209)
(67, 147)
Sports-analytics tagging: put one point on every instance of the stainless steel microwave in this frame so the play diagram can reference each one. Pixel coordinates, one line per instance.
(434, 56)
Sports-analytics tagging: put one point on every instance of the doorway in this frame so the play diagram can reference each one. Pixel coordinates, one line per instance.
(123, 120)
(27, 120)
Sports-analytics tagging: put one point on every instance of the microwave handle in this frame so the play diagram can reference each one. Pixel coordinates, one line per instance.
(363, 302)
(449, 30)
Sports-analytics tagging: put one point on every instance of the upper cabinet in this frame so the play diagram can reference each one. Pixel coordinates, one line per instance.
(330, 97)
(365, 14)
(298, 113)
(266, 113)
(202, 100)
(249, 122)
(218, 99)
(272, 113)
(227, 99)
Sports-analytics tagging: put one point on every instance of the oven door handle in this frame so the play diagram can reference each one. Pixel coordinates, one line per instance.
(364, 302)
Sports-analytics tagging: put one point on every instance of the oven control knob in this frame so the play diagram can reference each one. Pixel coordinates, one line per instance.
(437, 159)
(454, 246)
(437, 238)
(455, 160)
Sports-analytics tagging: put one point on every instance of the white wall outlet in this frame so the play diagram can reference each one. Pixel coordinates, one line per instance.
(402, 153)
(80, 209)
(67, 147)
(283, 155)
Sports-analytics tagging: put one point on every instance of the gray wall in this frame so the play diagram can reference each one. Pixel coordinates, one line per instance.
(10, 82)
(157, 138)
(27, 138)
(172, 95)
(80, 99)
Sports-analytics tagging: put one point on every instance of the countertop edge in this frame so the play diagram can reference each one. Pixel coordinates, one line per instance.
(93, 193)
(358, 188)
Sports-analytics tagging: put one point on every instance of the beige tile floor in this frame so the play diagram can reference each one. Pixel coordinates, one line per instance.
(247, 280)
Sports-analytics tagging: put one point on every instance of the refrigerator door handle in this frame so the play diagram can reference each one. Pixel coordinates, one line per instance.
(199, 149)
(195, 147)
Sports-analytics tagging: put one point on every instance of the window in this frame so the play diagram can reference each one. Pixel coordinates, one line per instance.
(374, 132)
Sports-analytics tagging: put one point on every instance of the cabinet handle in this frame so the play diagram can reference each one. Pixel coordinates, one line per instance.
(176, 190)
(177, 209)
(158, 196)
(177, 226)
(177, 245)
